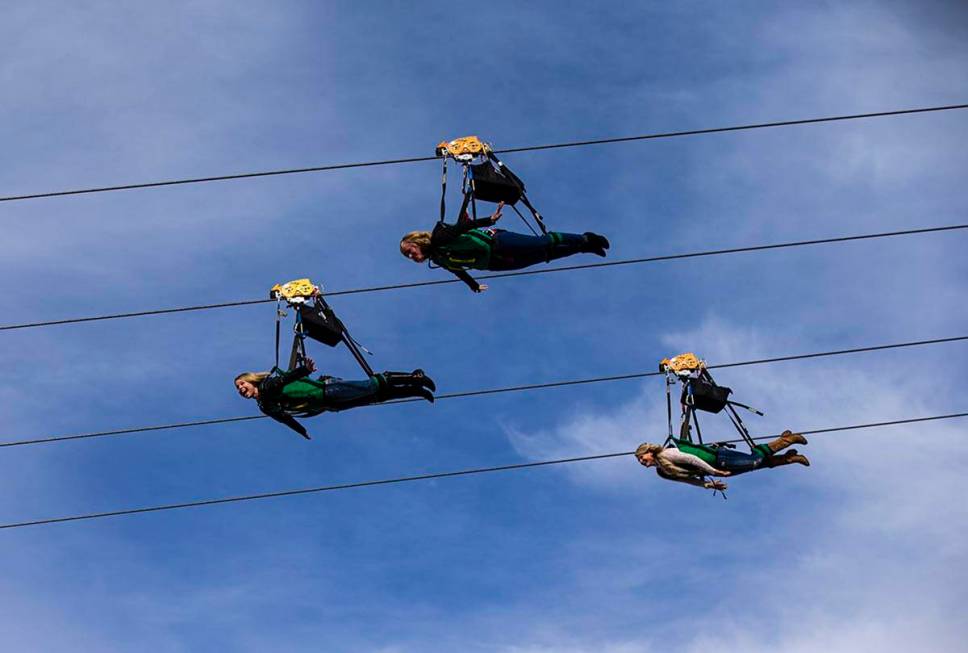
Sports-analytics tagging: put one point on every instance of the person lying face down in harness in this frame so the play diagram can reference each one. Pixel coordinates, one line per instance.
(693, 463)
(478, 245)
(285, 395)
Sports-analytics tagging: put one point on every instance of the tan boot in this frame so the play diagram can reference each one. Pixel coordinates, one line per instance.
(788, 458)
(786, 439)
(797, 458)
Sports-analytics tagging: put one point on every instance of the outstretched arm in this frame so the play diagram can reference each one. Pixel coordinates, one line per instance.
(291, 422)
(465, 223)
(469, 280)
(693, 479)
(445, 233)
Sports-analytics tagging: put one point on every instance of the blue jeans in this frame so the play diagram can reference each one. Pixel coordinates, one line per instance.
(513, 251)
(737, 462)
(342, 394)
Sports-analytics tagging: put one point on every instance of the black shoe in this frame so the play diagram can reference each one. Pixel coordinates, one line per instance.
(422, 379)
(392, 393)
(409, 379)
(596, 244)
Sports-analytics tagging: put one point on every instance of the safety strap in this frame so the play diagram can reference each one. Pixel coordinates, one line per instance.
(668, 382)
(468, 197)
(695, 420)
(534, 213)
(740, 426)
(443, 192)
(749, 408)
(354, 348)
(525, 221)
(298, 353)
(472, 195)
(278, 320)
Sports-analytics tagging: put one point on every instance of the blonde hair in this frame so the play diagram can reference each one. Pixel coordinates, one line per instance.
(255, 378)
(419, 238)
(661, 462)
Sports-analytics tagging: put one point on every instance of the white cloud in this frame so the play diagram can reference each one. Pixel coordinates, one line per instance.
(886, 528)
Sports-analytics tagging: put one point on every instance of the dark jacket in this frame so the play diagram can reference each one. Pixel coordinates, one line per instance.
(270, 390)
(444, 234)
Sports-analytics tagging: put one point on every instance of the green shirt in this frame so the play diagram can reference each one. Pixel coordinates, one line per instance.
(706, 454)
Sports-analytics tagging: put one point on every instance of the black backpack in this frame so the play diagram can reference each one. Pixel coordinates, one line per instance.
(705, 395)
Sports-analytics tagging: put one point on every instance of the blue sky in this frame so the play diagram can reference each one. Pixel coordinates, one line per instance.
(866, 548)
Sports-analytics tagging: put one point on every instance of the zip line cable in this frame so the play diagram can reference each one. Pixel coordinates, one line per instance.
(529, 148)
(521, 273)
(494, 391)
(421, 477)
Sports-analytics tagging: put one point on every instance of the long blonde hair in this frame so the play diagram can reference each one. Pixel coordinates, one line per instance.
(255, 378)
(419, 238)
(663, 463)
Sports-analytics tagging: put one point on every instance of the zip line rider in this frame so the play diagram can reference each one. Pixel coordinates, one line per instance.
(692, 463)
(478, 245)
(284, 395)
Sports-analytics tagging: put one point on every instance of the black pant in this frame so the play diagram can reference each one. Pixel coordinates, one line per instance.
(512, 251)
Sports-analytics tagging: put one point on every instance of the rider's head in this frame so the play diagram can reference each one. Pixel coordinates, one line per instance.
(647, 454)
(415, 246)
(247, 384)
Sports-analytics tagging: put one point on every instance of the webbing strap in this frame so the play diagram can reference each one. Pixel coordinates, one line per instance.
(525, 221)
(695, 420)
(534, 212)
(357, 354)
(298, 352)
(668, 409)
(443, 192)
(463, 206)
(278, 319)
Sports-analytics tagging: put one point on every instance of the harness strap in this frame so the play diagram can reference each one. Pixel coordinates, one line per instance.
(298, 353)
(443, 192)
(278, 320)
(534, 212)
(525, 221)
(668, 410)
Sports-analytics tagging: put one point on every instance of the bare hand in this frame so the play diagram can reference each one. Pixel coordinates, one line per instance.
(497, 214)
(722, 473)
(310, 365)
(716, 485)
(481, 287)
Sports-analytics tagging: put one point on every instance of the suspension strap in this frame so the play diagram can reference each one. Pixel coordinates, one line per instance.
(534, 212)
(298, 353)
(749, 408)
(354, 348)
(443, 192)
(740, 426)
(668, 410)
(278, 320)
(472, 195)
(525, 221)
(695, 420)
(463, 206)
